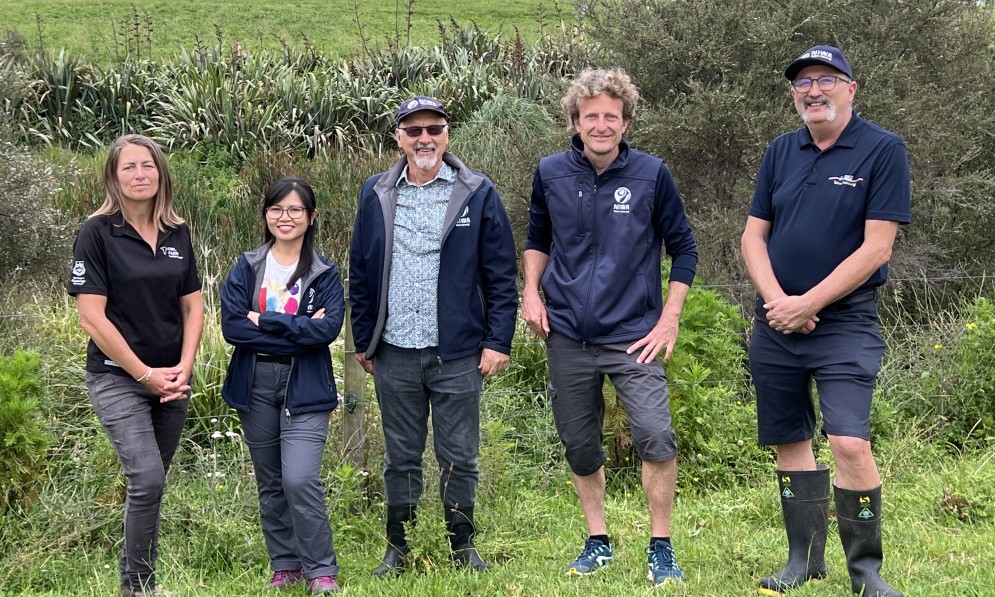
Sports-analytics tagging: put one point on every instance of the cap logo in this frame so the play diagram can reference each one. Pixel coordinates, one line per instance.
(412, 104)
(818, 55)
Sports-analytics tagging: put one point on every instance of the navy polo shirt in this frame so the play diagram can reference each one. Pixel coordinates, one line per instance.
(818, 201)
(143, 287)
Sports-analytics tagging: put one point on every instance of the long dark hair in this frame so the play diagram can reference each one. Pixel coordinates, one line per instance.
(277, 191)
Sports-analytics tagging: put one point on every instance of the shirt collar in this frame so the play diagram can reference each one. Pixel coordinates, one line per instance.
(446, 173)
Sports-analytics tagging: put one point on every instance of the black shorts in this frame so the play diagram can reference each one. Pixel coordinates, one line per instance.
(842, 354)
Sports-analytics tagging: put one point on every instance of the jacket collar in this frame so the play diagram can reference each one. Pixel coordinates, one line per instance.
(464, 175)
(577, 151)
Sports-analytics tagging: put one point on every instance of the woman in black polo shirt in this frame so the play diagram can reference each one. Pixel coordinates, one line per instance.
(281, 306)
(135, 280)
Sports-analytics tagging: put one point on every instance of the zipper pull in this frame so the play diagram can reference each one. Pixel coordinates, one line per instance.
(287, 411)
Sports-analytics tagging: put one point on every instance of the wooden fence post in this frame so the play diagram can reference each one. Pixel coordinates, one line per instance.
(354, 404)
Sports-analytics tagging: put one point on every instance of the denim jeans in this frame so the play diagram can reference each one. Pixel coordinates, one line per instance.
(145, 434)
(411, 382)
(286, 455)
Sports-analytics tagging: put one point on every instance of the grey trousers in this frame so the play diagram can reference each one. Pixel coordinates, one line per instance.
(145, 434)
(411, 382)
(286, 456)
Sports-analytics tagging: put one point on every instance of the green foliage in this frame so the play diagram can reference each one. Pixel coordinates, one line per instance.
(504, 139)
(941, 374)
(711, 75)
(293, 100)
(33, 237)
(973, 411)
(23, 443)
(714, 414)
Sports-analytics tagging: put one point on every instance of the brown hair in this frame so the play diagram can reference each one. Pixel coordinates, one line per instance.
(613, 82)
(163, 213)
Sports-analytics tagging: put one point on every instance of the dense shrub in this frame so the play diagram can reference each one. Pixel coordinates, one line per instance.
(711, 74)
(33, 238)
(23, 443)
(504, 139)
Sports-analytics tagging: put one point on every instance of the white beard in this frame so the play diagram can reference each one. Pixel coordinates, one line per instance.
(427, 163)
(830, 112)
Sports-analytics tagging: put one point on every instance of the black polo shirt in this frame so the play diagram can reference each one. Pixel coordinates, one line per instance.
(143, 287)
(819, 201)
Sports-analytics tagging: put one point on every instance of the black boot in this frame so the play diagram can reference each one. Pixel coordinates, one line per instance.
(459, 522)
(397, 543)
(858, 514)
(805, 504)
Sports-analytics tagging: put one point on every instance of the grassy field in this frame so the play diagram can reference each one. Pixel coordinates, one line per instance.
(88, 28)
(726, 540)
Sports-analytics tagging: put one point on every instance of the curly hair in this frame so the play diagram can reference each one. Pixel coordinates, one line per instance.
(614, 82)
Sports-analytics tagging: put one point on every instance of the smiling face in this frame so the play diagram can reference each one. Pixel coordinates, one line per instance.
(600, 125)
(288, 219)
(424, 152)
(137, 175)
(817, 107)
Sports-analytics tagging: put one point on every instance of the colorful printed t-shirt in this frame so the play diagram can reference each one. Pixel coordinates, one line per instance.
(274, 294)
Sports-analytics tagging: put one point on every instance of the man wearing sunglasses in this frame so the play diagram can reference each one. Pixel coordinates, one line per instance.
(829, 199)
(432, 281)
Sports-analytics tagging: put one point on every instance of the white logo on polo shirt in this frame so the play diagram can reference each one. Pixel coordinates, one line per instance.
(79, 270)
(622, 197)
(171, 253)
(464, 218)
(846, 180)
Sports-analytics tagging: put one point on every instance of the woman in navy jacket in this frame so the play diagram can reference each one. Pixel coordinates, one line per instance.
(281, 306)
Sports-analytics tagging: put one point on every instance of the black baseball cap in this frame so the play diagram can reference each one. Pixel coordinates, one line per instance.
(827, 55)
(417, 104)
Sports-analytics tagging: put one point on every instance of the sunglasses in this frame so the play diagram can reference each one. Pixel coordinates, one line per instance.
(434, 130)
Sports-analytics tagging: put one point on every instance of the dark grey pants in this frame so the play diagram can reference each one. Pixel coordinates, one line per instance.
(286, 457)
(145, 434)
(411, 382)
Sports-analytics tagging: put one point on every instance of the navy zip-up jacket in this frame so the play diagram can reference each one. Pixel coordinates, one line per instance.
(478, 294)
(603, 234)
(311, 386)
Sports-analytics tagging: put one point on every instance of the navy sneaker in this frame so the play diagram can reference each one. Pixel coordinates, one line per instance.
(595, 555)
(663, 566)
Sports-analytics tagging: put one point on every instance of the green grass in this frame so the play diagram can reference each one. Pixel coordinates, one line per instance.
(725, 540)
(939, 523)
(87, 28)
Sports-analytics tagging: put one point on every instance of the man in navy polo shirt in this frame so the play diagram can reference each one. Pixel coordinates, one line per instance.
(829, 199)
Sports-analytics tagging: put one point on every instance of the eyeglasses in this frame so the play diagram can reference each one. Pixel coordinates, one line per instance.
(276, 212)
(415, 131)
(826, 83)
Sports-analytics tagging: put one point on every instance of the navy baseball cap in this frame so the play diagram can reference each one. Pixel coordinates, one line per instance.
(417, 104)
(827, 55)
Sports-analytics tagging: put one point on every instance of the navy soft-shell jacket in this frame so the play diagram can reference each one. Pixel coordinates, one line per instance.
(603, 234)
(311, 386)
(478, 294)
